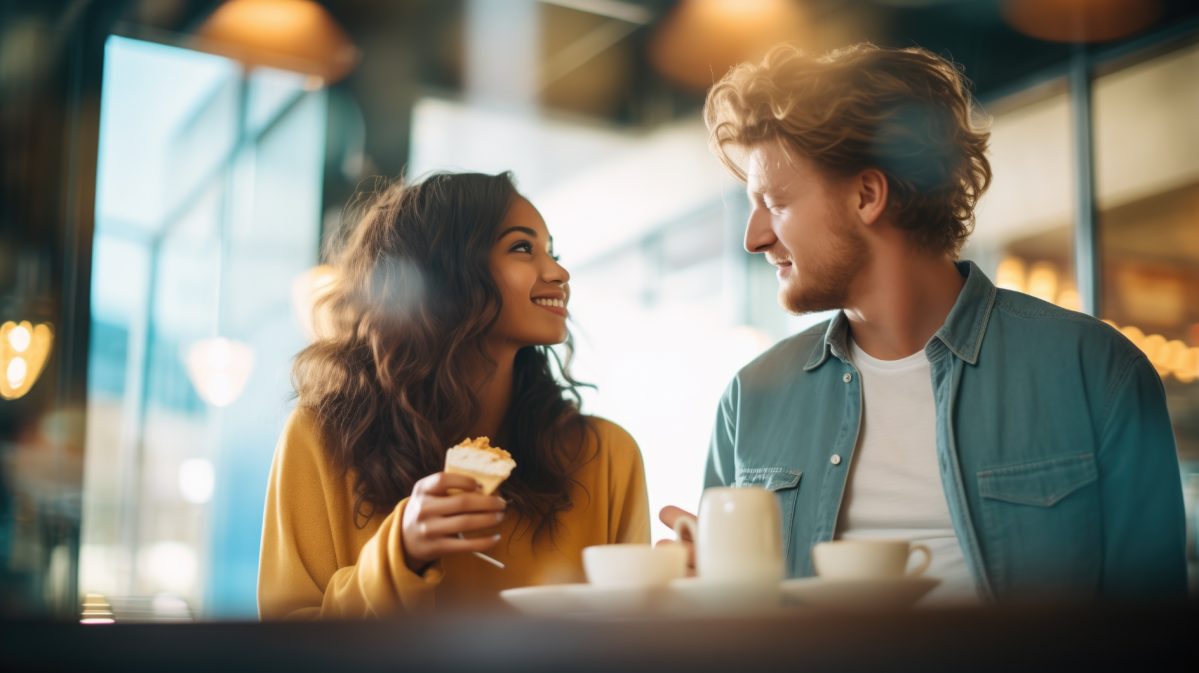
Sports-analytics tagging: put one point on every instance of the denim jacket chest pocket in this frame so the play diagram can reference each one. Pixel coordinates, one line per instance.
(1042, 524)
(784, 484)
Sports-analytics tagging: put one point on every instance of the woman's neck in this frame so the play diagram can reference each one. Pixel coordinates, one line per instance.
(495, 394)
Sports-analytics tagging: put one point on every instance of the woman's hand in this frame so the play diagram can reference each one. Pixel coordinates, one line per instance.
(433, 519)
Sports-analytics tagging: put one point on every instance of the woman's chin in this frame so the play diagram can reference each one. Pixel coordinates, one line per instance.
(548, 339)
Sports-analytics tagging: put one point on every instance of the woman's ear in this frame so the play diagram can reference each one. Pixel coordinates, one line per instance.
(870, 195)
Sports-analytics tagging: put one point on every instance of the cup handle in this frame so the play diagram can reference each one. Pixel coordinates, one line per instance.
(688, 523)
(928, 558)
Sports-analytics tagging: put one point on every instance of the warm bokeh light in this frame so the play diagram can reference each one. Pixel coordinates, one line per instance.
(1069, 300)
(306, 289)
(1010, 275)
(1042, 281)
(297, 35)
(1167, 357)
(701, 39)
(219, 369)
(1080, 20)
(23, 352)
(96, 610)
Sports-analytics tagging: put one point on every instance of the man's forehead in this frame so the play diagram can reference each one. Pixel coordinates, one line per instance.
(770, 166)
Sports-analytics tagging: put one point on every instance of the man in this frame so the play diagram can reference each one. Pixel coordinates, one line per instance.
(1028, 446)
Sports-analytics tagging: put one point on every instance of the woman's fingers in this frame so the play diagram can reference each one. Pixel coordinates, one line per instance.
(454, 545)
(462, 523)
(441, 482)
(461, 504)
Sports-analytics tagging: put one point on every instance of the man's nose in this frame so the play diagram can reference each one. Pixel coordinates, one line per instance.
(759, 236)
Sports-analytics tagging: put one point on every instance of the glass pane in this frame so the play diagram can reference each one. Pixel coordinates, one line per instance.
(1023, 236)
(1147, 174)
(210, 184)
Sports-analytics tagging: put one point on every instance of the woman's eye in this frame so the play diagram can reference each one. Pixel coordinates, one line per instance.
(523, 246)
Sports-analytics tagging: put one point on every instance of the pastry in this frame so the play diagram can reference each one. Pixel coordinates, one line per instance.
(478, 459)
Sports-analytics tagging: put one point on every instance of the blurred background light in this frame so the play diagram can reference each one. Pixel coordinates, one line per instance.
(297, 35)
(23, 352)
(1010, 275)
(306, 289)
(170, 566)
(1042, 281)
(219, 369)
(1081, 20)
(700, 40)
(196, 480)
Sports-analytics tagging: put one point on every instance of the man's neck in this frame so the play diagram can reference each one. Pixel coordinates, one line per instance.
(900, 300)
(495, 394)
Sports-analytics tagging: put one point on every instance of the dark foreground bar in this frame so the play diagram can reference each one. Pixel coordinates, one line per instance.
(1006, 639)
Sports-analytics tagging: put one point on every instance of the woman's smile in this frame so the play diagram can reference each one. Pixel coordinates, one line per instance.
(553, 304)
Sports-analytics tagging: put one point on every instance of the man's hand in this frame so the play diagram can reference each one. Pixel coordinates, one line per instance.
(668, 516)
(433, 519)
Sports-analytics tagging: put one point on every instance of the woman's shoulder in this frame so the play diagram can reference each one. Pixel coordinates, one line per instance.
(302, 440)
(613, 440)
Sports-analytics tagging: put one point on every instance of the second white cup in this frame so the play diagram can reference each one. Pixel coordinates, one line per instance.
(634, 565)
(867, 559)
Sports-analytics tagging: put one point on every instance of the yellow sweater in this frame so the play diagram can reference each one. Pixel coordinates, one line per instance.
(316, 564)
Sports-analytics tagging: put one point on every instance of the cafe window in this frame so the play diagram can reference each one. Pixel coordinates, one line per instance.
(1147, 189)
(207, 208)
(1023, 234)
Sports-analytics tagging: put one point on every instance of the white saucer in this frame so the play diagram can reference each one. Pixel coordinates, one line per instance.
(692, 595)
(881, 594)
(558, 599)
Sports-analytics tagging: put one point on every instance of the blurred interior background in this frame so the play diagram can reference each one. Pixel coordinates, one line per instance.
(171, 168)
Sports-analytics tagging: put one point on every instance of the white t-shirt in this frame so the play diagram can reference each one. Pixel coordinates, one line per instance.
(894, 489)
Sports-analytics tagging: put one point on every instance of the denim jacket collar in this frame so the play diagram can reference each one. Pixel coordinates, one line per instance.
(962, 332)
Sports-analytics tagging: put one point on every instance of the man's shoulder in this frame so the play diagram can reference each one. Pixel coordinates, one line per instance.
(1048, 333)
(1039, 319)
(786, 358)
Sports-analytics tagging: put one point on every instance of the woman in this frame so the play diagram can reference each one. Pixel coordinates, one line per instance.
(438, 329)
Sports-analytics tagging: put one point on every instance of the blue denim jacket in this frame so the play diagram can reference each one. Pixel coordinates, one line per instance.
(1056, 453)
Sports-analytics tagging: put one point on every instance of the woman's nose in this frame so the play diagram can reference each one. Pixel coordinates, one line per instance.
(556, 273)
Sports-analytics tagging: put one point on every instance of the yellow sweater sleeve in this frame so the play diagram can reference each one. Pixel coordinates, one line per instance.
(628, 498)
(309, 568)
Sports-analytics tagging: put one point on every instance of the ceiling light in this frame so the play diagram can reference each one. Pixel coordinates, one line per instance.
(296, 35)
(1081, 20)
(702, 39)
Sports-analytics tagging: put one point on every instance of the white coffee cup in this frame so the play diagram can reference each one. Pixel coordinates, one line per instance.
(634, 565)
(738, 536)
(867, 559)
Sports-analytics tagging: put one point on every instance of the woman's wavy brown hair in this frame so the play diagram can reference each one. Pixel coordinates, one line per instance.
(403, 332)
(906, 112)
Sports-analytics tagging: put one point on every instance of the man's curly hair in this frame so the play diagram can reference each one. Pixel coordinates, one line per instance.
(906, 112)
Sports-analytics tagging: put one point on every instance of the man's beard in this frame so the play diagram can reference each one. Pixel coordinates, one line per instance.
(825, 280)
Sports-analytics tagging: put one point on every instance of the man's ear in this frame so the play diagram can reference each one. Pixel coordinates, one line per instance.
(870, 195)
